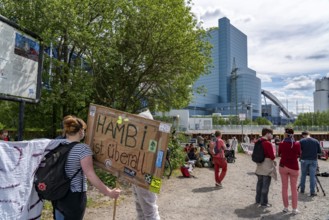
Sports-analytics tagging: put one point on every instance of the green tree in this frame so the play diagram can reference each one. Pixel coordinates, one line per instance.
(152, 54)
(218, 120)
(313, 118)
(114, 53)
(262, 121)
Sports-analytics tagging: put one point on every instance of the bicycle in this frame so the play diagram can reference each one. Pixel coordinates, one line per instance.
(168, 168)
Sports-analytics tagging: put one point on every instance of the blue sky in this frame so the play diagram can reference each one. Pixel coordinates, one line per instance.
(288, 42)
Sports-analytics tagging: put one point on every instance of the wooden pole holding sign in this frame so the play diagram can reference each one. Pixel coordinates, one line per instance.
(128, 145)
(115, 202)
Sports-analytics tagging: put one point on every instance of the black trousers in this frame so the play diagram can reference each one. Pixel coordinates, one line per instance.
(72, 206)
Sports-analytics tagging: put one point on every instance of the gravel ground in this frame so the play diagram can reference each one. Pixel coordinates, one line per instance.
(197, 198)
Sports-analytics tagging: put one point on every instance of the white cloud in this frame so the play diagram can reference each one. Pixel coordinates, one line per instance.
(301, 82)
(264, 77)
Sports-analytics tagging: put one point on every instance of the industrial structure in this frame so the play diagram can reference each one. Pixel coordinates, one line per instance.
(321, 95)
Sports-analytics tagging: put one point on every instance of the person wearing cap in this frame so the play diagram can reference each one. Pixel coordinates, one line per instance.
(145, 200)
(310, 148)
(289, 151)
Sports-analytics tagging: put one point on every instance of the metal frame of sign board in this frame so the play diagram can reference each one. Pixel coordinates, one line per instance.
(28, 33)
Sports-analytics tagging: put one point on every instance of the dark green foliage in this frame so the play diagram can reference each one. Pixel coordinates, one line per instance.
(313, 118)
(107, 178)
(177, 155)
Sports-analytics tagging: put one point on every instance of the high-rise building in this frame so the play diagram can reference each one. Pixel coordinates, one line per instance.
(231, 87)
(321, 95)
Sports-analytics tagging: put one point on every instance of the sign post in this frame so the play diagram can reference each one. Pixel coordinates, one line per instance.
(242, 117)
(128, 145)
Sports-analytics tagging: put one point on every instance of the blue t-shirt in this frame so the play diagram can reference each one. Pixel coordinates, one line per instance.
(310, 148)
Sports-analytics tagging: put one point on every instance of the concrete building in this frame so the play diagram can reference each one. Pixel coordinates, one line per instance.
(321, 95)
(272, 113)
(232, 87)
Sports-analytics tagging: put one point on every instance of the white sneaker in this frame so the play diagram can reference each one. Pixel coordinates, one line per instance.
(295, 211)
(285, 210)
(219, 185)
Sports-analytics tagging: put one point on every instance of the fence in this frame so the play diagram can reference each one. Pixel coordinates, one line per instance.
(255, 129)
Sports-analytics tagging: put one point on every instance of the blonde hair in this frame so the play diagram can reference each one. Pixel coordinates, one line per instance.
(73, 125)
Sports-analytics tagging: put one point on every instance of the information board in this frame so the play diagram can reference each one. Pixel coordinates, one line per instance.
(128, 146)
(20, 63)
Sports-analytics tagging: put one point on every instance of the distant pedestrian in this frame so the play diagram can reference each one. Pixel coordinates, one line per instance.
(219, 159)
(289, 151)
(187, 148)
(234, 146)
(5, 135)
(277, 142)
(246, 139)
(265, 170)
(200, 140)
(308, 161)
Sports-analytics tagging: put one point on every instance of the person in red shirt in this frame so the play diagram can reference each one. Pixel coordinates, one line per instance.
(219, 159)
(265, 170)
(5, 135)
(289, 150)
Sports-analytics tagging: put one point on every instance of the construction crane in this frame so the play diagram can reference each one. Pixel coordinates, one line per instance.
(234, 95)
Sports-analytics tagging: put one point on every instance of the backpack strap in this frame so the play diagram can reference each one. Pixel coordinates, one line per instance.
(220, 150)
(71, 145)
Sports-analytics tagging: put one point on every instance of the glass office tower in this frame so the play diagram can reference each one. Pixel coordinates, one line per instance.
(232, 88)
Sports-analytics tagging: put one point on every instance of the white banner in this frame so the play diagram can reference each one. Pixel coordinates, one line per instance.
(18, 163)
(248, 148)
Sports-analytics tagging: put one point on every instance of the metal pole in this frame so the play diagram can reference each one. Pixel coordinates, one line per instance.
(21, 121)
(242, 132)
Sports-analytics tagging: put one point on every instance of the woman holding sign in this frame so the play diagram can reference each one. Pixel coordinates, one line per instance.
(80, 164)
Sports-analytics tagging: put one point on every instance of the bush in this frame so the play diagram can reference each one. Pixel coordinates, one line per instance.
(177, 155)
(107, 178)
(240, 150)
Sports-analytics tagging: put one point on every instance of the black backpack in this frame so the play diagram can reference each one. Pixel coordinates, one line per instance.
(51, 181)
(258, 155)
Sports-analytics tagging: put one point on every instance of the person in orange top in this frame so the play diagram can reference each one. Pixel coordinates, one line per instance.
(219, 159)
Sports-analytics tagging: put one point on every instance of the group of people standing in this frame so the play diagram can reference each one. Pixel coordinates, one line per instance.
(290, 151)
(306, 150)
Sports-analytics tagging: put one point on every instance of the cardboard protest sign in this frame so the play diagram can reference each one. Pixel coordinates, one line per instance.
(128, 146)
